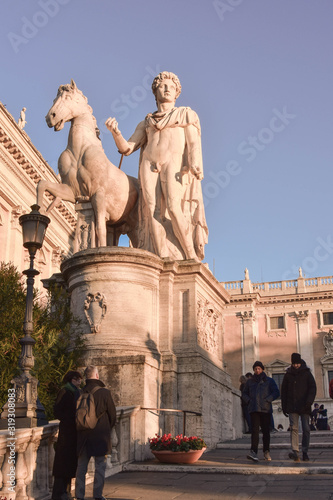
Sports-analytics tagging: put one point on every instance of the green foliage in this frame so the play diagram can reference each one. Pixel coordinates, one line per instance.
(12, 310)
(59, 343)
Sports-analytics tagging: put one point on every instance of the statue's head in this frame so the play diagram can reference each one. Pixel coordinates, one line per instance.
(166, 75)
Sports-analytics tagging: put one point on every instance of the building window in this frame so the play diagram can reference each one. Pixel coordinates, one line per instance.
(327, 370)
(328, 318)
(278, 377)
(277, 370)
(276, 322)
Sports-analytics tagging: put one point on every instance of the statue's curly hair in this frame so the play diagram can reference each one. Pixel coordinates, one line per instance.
(163, 76)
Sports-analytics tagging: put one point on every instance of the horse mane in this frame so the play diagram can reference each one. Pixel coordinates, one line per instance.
(69, 88)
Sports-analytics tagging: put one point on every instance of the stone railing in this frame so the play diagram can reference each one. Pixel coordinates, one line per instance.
(299, 285)
(26, 456)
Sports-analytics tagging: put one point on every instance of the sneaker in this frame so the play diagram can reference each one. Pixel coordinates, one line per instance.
(294, 456)
(305, 457)
(253, 456)
(267, 456)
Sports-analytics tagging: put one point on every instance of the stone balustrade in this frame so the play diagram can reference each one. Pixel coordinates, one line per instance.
(279, 287)
(26, 456)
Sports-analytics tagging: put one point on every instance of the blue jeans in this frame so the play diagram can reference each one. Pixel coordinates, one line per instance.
(294, 420)
(80, 482)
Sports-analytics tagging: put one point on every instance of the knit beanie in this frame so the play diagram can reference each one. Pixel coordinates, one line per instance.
(258, 363)
(296, 358)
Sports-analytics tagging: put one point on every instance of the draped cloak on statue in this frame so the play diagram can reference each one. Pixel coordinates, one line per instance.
(192, 201)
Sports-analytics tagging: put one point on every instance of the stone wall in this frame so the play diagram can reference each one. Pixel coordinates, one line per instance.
(154, 329)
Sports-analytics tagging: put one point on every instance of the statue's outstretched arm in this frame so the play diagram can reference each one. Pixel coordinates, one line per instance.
(126, 147)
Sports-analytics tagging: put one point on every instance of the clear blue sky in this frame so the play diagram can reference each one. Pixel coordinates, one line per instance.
(259, 75)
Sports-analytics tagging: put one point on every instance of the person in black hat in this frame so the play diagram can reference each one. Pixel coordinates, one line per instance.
(259, 392)
(298, 391)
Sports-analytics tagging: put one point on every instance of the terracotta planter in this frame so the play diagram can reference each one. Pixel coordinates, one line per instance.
(178, 457)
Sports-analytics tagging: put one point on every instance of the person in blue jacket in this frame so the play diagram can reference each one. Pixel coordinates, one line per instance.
(259, 392)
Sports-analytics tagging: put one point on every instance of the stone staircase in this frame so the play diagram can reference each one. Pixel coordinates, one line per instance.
(230, 458)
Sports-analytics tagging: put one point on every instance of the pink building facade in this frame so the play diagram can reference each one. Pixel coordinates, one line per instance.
(269, 321)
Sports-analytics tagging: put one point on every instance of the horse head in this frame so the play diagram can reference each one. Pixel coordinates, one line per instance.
(68, 104)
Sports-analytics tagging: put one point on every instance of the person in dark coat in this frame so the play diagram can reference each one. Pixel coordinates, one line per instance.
(65, 460)
(298, 391)
(95, 442)
(245, 410)
(259, 392)
(322, 419)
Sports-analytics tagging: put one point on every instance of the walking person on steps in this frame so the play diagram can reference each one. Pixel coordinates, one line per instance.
(298, 391)
(259, 392)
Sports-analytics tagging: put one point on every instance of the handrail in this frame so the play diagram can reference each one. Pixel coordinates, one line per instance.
(178, 411)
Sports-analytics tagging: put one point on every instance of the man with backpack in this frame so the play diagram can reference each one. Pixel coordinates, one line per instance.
(95, 417)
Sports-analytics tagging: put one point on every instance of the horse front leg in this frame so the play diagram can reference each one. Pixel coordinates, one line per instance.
(41, 188)
(99, 207)
(59, 191)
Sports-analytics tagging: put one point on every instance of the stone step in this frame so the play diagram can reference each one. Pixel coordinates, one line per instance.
(283, 445)
(198, 468)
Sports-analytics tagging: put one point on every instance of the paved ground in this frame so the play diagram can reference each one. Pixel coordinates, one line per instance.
(225, 474)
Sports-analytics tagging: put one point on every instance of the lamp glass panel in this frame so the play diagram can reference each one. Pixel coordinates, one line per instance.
(33, 232)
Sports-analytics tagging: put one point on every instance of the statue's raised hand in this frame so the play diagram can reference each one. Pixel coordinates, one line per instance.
(112, 125)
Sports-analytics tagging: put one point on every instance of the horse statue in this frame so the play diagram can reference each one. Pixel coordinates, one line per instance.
(85, 171)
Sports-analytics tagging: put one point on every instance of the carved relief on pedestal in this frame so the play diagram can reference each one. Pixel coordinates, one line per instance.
(85, 227)
(207, 319)
(95, 309)
(328, 342)
(22, 391)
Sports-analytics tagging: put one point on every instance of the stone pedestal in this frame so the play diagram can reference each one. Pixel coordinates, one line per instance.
(154, 329)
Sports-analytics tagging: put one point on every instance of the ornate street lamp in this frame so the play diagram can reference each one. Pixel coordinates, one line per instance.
(27, 406)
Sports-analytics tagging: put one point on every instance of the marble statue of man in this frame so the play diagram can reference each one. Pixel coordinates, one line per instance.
(21, 121)
(171, 211)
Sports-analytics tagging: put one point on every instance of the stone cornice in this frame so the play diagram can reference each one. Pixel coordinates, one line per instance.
(282, 299)
(190, 267)
(34, 172)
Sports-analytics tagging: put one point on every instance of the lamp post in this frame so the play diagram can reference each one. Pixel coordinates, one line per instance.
(34, 227)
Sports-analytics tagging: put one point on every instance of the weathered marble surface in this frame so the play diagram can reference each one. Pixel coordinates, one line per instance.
(154, 329)
(22, 121)
(86, 173)
(171, 213)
